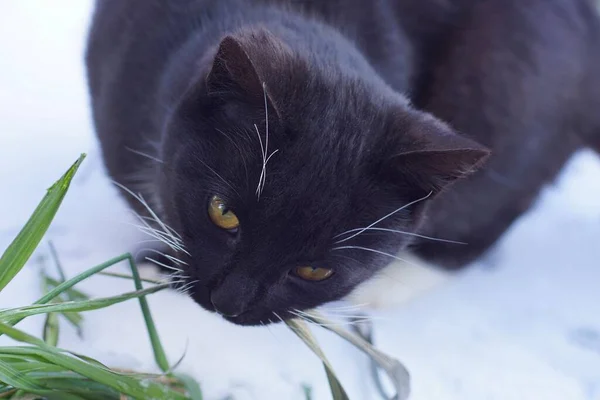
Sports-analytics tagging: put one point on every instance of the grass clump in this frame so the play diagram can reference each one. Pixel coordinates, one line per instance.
(36, 368)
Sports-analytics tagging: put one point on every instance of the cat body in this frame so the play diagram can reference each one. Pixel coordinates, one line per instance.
(339, 132)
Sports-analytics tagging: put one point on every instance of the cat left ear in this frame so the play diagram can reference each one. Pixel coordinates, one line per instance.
(239, 66)
(433, 156)
(232, 69)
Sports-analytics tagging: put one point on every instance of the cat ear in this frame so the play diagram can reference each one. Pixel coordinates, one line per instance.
(433, 156)
(235, 70)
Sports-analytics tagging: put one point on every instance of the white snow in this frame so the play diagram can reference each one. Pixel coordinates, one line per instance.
(522, 324)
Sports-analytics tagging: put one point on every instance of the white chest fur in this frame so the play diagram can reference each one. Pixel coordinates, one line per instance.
(399, 282)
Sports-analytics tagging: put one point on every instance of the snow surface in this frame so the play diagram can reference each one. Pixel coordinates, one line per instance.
(522, 324)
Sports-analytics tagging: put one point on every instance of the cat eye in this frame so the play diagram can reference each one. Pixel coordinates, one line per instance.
(221, 216)
(313, 274)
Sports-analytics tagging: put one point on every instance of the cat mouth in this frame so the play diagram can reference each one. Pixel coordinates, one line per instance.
(254, 318)
(251, 317)
(242, 319)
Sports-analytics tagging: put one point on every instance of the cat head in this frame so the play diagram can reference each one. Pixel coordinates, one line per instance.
(291, 181)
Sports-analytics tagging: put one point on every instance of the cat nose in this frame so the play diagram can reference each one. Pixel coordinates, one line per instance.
(224, 305)
(232, 296)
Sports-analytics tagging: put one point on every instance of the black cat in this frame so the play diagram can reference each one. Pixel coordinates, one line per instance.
(289, 149)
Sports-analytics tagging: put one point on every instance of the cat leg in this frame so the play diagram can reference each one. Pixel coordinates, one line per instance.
(508, 78)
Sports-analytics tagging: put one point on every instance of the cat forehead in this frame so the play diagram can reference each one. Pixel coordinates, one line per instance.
(330, 123)
(326, 153)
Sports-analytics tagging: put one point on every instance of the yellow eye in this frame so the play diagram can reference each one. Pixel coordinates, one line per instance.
(313, 274)
(221, 216)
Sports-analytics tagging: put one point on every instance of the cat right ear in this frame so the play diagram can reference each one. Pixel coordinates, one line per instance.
(430, 155)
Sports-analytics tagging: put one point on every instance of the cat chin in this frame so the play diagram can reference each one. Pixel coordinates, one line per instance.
(398, 283)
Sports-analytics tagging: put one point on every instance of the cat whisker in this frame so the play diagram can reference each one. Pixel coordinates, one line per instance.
(262, 153)
(161, 264)
(175, 260)
(303, 316)
(148, 241)
(271, 155)
(241, 153)
(307, 317)
(155, 232)
(160, 236)
(218, 176)
(187, 287)
(401, 232)
(347, 258)
(140, 198)
(359, 318)
(167, 234)
(361, 230)
(176, 277)
(352, 318)
(277, 315)
(181, 291)
(294, 313)
(178, 272)
(344, 314)
(264, 149)
(167, 256)
(148, 156)
(349, 307)
(154, 144)
(170, 229)
(374, 251)
(268, 328)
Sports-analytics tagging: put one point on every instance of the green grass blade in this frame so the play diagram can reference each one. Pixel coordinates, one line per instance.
(12, 377)
(307, 392)
(19, 251)
(301, 329)
(58, 290)
(15, 315)
(15, 378)
(7, 392)
(159, 352)
(397, 372)
(122, 383)
(191, 386)
(85, 388)
(89, 305)
(73, 318)
(81, 277)
(130, 277)
(51, 325)
(8, 354)
(71, 293)
(51, 329)
(41, 367)
(54, 254)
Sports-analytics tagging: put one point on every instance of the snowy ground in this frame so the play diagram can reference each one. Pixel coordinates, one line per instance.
(523, 325)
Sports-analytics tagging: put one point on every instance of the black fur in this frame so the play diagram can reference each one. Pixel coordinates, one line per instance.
(190, 82)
